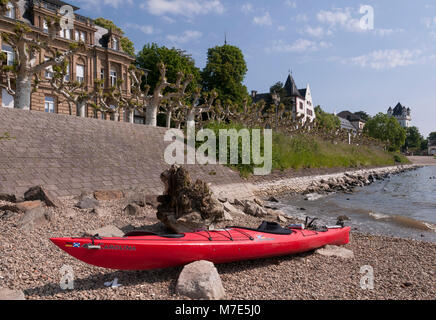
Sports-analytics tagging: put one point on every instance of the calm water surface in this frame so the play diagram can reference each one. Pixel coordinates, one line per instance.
(402, 206)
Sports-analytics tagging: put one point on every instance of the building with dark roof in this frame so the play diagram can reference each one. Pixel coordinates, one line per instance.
(402, 114)
(301, 102)
(104, 59)
(355, 120)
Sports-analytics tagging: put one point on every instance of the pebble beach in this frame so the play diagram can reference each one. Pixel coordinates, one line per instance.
(403, 269)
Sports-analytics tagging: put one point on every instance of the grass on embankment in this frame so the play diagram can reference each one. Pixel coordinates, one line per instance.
(302, 151)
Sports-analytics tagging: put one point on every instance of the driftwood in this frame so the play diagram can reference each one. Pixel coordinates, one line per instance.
(187, 206)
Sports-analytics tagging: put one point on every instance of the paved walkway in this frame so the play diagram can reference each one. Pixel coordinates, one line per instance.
(423, 161)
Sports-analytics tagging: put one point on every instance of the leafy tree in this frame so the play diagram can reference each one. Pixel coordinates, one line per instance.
(413, 138)
(432, 136)
(126, 44)
(175, 61)
(225, 71)
(386, 129)
(327, 120)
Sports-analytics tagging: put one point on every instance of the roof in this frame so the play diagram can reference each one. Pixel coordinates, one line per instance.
(57, 3)
(345, 124)
(262, 96)
(302, 92)
(350, 116)
(291, 88)
(398, 110)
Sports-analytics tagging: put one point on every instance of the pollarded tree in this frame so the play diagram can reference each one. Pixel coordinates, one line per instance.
(19, 75)
(163, 92)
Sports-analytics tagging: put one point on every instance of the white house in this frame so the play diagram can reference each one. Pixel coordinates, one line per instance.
(300, 100)
(402, 114)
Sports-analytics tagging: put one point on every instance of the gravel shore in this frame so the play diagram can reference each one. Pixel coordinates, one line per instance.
(403, 269)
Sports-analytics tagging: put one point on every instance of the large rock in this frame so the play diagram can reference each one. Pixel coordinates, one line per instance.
(187, 206)
(253, 209)
(39, 193)
(7, 294)
(336, 251)
(232, 210)
(109, 231)
(107, 195)
(200, 280)
(29, 205)
(34, 218)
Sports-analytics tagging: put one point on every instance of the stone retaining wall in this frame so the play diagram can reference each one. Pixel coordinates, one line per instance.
(68, 154)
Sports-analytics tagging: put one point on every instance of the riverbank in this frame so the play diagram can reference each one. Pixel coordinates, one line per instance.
(319, 181)
(403, 269)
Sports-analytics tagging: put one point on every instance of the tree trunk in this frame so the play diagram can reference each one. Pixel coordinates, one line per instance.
(23, 92)
(151, 116)
(132, 116)
(81, 110)
(169, 114)
(190, 119)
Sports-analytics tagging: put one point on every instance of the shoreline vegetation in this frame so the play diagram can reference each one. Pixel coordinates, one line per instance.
(302, 151)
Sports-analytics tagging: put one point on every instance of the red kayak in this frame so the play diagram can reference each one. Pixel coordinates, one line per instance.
(147, 251)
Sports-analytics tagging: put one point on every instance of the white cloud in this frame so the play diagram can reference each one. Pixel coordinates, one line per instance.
(187, 8)
(340, 17)
(187, 36)
(264, 20)
(291, 4)
(281, 28)
(142, 28)
(100, 4)
(318, 32)
(301, 17)
(387, 59)
(301, 45)
(247, 8)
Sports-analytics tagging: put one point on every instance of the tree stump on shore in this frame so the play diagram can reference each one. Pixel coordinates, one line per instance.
(187, 206)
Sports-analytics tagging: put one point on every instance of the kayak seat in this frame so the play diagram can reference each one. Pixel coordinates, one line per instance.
(270, 228)
(146, 233)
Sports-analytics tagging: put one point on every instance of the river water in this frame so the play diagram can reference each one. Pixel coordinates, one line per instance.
(401, 206)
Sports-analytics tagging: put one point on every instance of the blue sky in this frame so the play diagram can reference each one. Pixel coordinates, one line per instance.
(322, 42)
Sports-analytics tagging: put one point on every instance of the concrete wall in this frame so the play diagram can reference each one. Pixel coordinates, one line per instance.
(68, 154)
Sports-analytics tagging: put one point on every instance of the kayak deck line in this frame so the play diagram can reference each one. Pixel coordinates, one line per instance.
(147, 252)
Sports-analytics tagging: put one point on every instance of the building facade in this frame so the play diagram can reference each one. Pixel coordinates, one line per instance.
(104, 58)
(432, 147)
(402, 114)
(301, 102)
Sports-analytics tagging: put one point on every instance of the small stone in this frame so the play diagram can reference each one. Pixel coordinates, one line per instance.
(7, 294)
(336, 252)
(273, 199)
(132, 209)
(88, 203)
(107, 195)
(281, 218)
(228, 216)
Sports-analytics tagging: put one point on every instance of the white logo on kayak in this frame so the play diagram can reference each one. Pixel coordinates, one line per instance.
(367, 280)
